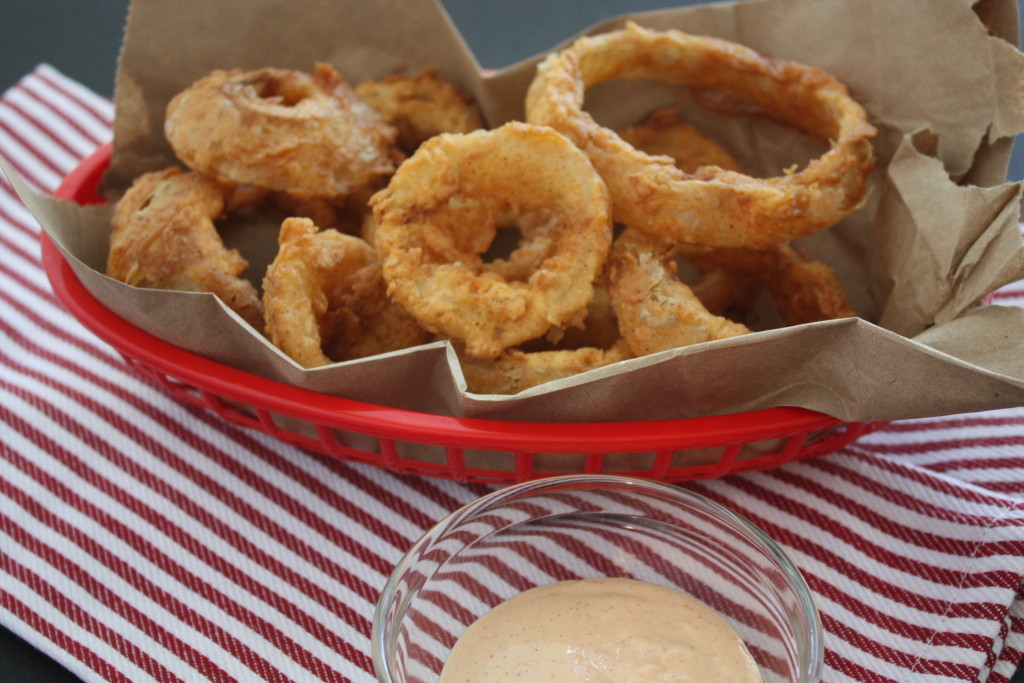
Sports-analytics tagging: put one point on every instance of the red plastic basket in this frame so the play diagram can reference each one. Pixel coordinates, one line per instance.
(464, 449)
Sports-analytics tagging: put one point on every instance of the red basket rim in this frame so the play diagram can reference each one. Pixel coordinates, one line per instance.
(277, 397)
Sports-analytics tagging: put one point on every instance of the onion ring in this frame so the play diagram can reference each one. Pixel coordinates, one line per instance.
(713, 207)
(420, 107)
(305, 134)
(656, 311)
(323, 291)
(440, 212)
(804, 290)
(663, 133)
(516, 370)
(164, 237)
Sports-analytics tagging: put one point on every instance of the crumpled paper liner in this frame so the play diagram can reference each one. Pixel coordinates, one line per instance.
(939, 233)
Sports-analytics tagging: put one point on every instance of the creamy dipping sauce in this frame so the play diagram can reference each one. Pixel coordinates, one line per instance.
(616, 630)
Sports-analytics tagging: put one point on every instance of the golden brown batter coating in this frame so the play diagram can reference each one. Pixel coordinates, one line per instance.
(305, 134)
(164, 237)
(325, 299)
(440, 213)
(712, 207)
(420, 107)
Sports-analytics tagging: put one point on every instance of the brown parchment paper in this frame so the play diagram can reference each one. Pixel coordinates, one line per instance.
(941, 79)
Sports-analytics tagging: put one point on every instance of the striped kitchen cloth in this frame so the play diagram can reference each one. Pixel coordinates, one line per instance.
(143, 539)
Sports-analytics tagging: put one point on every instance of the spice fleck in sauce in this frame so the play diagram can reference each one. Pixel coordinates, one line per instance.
(616, 630)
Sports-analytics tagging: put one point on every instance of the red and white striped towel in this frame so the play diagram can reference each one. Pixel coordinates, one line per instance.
(144, 540)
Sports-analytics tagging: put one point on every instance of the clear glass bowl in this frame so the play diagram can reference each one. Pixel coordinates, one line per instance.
(590, 526)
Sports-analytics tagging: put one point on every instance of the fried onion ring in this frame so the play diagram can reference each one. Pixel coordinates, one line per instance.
(662, 132)
(713, 207)
(655, 310)
(164, 237)
(305, 134)
(516, 370)
(440, 212)
(420, 107)
(324, 291)
(804, 290)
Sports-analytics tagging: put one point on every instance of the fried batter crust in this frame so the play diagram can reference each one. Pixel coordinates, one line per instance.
(420, 107)
(713, 206)
(164, 237)
(324, 299)
(440, 213)
(280, 129)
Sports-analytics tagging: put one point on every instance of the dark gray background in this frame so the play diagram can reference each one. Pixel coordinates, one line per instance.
(80, 38)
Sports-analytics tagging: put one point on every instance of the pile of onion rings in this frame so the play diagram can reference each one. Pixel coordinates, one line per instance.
(302, 146)
(540, 249)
